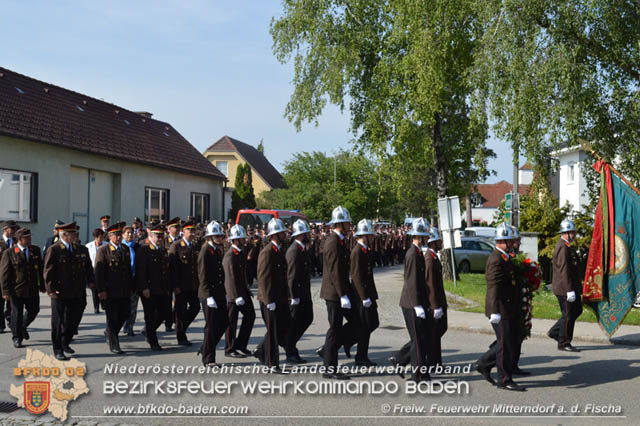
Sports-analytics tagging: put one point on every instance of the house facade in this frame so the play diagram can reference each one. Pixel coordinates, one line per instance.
(67, 156)
(569, 181)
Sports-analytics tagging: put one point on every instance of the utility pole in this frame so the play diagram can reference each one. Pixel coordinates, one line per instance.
(515, 209)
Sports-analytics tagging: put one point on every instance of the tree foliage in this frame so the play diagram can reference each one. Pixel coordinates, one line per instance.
(561, 72)
(309, 179)
(243, 196)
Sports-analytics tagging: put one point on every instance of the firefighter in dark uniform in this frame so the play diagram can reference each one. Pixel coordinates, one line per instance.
(152, 282)
(501, 307)
(337, 292)
(238, 294)
(66, 272)
(114, 281)
(6, 242)
(211, 292)
(104, 222)
(173, 234)
(365, 303)
(566, 287)
(253, 251)
(52, 239)
(437, 317)
(414, 303)
(273, 295)
(21, 279)
(299, 267)
(183, 261)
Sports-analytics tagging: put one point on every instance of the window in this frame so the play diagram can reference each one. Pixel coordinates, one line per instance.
(223, 166)
(485, 246)
(571, 172)
(200, 206)
(156, 204)
(18, 195)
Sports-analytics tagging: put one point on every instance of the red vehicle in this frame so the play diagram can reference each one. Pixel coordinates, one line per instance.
(258, 217)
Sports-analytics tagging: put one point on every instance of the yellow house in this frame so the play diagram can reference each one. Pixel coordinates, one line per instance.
(227, 153)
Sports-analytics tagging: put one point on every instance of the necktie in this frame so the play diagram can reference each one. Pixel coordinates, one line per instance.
(9, 242)
(26, 253)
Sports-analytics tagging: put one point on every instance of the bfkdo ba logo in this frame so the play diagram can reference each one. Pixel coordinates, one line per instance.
(37, 396)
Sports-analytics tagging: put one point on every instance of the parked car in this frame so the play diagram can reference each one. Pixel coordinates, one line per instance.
(480, 231)
(472, 256)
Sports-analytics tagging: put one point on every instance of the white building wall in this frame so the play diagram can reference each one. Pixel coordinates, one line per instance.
(483, 213)
(572, 182)
(53, 165)
(525, 177)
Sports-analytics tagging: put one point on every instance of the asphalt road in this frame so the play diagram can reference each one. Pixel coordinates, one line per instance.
(602, 375)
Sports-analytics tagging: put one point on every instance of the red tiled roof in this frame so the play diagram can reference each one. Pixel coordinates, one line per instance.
(254, 157)
(493, 193)
(33, 110)
(526, 166)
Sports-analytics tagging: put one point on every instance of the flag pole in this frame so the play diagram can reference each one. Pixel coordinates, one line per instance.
(587, 147)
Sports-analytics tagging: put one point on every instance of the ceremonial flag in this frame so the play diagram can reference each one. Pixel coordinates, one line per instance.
(612, 278)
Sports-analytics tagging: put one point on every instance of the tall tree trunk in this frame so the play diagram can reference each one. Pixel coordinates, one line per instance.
(468, 210)
(442, 186)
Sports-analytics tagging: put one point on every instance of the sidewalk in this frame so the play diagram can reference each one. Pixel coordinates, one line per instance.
(583, 332)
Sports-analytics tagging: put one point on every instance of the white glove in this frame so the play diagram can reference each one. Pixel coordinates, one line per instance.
(271, 306)
(495, 318)
(438, 313)
(211, 302)
(345, 303)
(571, 296)
(420, 313)
(295, 301)
(366, 302)
(240, 301)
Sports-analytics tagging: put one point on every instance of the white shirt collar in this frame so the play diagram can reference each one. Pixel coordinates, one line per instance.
(339, 234)
(275, 244)
(66, 244)
(363, 245)
(236, 247)
(186, 242)
(6, 239)
(568, 242)
(419, 246)
(211, 244)
(155, 246)
(432, 251)
(20, 247)
(115, 245)
(301, 244)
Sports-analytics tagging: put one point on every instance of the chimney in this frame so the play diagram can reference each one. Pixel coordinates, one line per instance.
(144, 114)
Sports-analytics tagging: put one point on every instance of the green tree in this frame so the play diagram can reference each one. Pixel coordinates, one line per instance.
(243, 196)
(402, 67)
(309, 179)
(560, 72)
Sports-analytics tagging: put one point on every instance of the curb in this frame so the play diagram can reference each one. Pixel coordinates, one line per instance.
(626, 341)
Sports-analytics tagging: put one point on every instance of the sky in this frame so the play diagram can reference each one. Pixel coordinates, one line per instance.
(206, 67)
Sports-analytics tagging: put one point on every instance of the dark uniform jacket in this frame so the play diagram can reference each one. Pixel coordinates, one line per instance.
(362, 273)
(299, 272)
(67, 273)
(152, 269)
(433, 279)
(113, 271)
(168, 241)
(335, 269)
(502, 293)
(272, 275)
(414, 290)
(235, 275)
(21, 277)
(211, 274)
(566, 277)
(183, 266)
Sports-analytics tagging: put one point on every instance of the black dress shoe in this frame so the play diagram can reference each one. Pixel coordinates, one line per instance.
(68, 349)
(156, 347)
(553, 336)
(335, 376)
(568, 348)
(512, 386)
(486, 374)
(116, 350)
(17, 344)
(258, 354)
(521, 372)
(184, 342)
(234, 354)
(296, 360)
(61, 357)
(244, 351)
(25, 334)
(144, 332)
(320, 352)
(393, 361)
